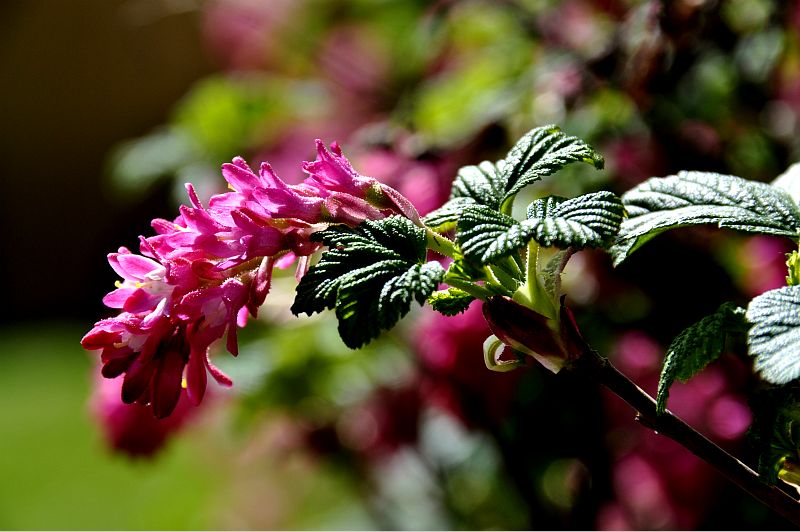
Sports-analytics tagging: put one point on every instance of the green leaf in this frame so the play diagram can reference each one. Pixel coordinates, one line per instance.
(450, 302)
(591, 220)
(697, 346)
(542, 152)
(539, 153)
(696, 198)
(774, 339)
(481, 184)
(473, 185)
(482, 230)
(551, 273)
(793, 268)
(445, 217)
(369, 274)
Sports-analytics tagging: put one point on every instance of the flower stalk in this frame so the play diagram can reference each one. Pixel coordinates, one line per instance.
(440, 244)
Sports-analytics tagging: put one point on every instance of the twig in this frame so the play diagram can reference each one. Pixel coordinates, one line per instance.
(668, 424)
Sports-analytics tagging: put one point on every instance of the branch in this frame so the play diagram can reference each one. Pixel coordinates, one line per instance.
(601, 370)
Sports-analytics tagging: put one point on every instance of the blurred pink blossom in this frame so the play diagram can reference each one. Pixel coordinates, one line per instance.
(658, 484)
(634, 159)
(451, 355)
(131, 428)
(763, 264)
(241, 33)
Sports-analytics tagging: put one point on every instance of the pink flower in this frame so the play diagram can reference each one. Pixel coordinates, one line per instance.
(143, 286)
(242, 33)
(202, 274)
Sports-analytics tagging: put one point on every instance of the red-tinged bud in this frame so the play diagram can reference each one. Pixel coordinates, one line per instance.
(553, 343)
(385, 197)
(570, 334)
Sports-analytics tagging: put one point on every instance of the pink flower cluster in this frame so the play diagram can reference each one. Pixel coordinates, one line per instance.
(201, 275)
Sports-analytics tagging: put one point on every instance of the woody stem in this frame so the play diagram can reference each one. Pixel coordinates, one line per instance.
(601, 370)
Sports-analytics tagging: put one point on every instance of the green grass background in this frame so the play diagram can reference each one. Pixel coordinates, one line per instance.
(56, 472)
(54, 469)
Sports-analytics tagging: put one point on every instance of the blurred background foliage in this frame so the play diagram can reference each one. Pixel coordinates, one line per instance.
(411, 432)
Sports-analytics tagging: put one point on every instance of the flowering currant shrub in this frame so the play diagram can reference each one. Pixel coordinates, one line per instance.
(362, 250)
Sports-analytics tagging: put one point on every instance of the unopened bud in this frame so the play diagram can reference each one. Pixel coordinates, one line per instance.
(552, 342)
(385, 197)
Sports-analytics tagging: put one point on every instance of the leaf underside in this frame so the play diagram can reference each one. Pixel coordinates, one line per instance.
(591, 220)
(697, 346)
(774, 338)
(370, 274)
(539, 153)
(697, 198)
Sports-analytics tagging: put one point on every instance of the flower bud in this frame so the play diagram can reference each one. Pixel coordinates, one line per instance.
(552, 342)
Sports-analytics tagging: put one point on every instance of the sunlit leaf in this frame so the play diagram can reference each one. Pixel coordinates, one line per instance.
(542, 152)
(697, 198)
(539, 153)
(591, 220)
(450, 302)
(774, 339)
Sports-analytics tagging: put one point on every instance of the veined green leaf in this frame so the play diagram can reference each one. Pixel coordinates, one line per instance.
(473, 185)
(591, 220)
(542, 152)
(539, 153)
(445, 217)
(370, 274)
(450, 302)
(774, 339)
(696, 198)
(697, 346)
(483, 232)
(482, 184)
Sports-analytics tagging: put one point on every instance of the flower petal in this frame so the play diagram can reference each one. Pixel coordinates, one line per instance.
(137, 379)
(239, 175)
(133, 267)
(167, 383)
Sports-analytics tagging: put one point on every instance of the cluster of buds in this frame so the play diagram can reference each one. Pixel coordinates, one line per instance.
(200, 276)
